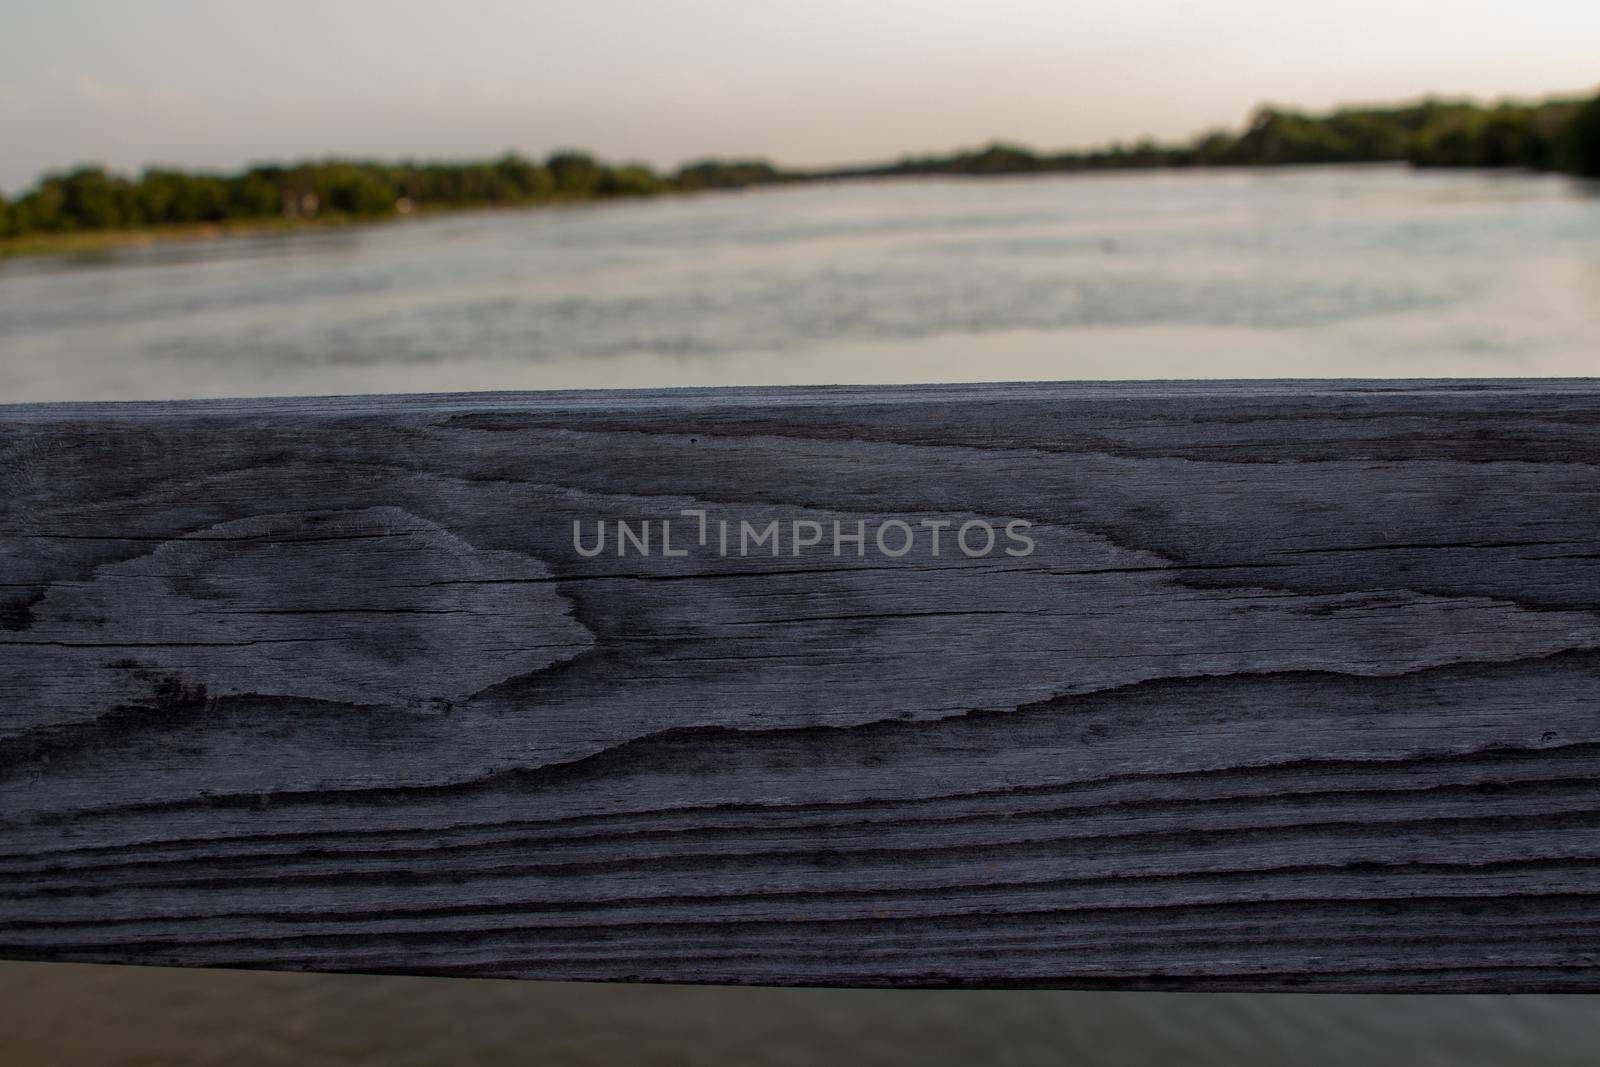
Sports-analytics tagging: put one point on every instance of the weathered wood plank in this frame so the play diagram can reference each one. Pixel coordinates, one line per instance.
(1299, 685)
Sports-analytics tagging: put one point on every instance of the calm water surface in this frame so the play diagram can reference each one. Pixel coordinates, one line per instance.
(1330, 272)
(1367, 271)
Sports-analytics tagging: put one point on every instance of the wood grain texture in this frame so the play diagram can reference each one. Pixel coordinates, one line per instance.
(1300, 687)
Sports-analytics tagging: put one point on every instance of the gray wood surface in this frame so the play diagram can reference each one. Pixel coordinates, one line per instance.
(1299, 687)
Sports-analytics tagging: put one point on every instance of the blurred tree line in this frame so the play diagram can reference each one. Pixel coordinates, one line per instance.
(90, 198)
(1563, 136)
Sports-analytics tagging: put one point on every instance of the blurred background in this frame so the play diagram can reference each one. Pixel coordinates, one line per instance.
(706, 193)
(218, 198)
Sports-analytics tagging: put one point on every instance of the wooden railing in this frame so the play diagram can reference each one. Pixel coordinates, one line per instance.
(1208, 685)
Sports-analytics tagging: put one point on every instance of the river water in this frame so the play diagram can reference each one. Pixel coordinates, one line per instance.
(1306, 272)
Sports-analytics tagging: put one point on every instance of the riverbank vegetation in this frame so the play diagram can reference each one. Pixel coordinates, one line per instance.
(1551, 135)
(63, 210)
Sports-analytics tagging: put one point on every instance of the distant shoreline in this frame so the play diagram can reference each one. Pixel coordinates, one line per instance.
(89, 211)
(93, 242)
(97, 243)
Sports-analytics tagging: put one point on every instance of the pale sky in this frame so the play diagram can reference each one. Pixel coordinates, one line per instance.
(219, 83)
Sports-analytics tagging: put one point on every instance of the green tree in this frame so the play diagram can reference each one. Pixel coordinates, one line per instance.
(1216, 148)
(1506, 138)
(39, 211)
(997, 158)
(1577, 149)
(633, 179)
(1368, 137)
(356, 190)
(157, 195)
(725, 174)
(254, 195)
(1450, 138)
(575, 173)
(93, 200)
(524, 179)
